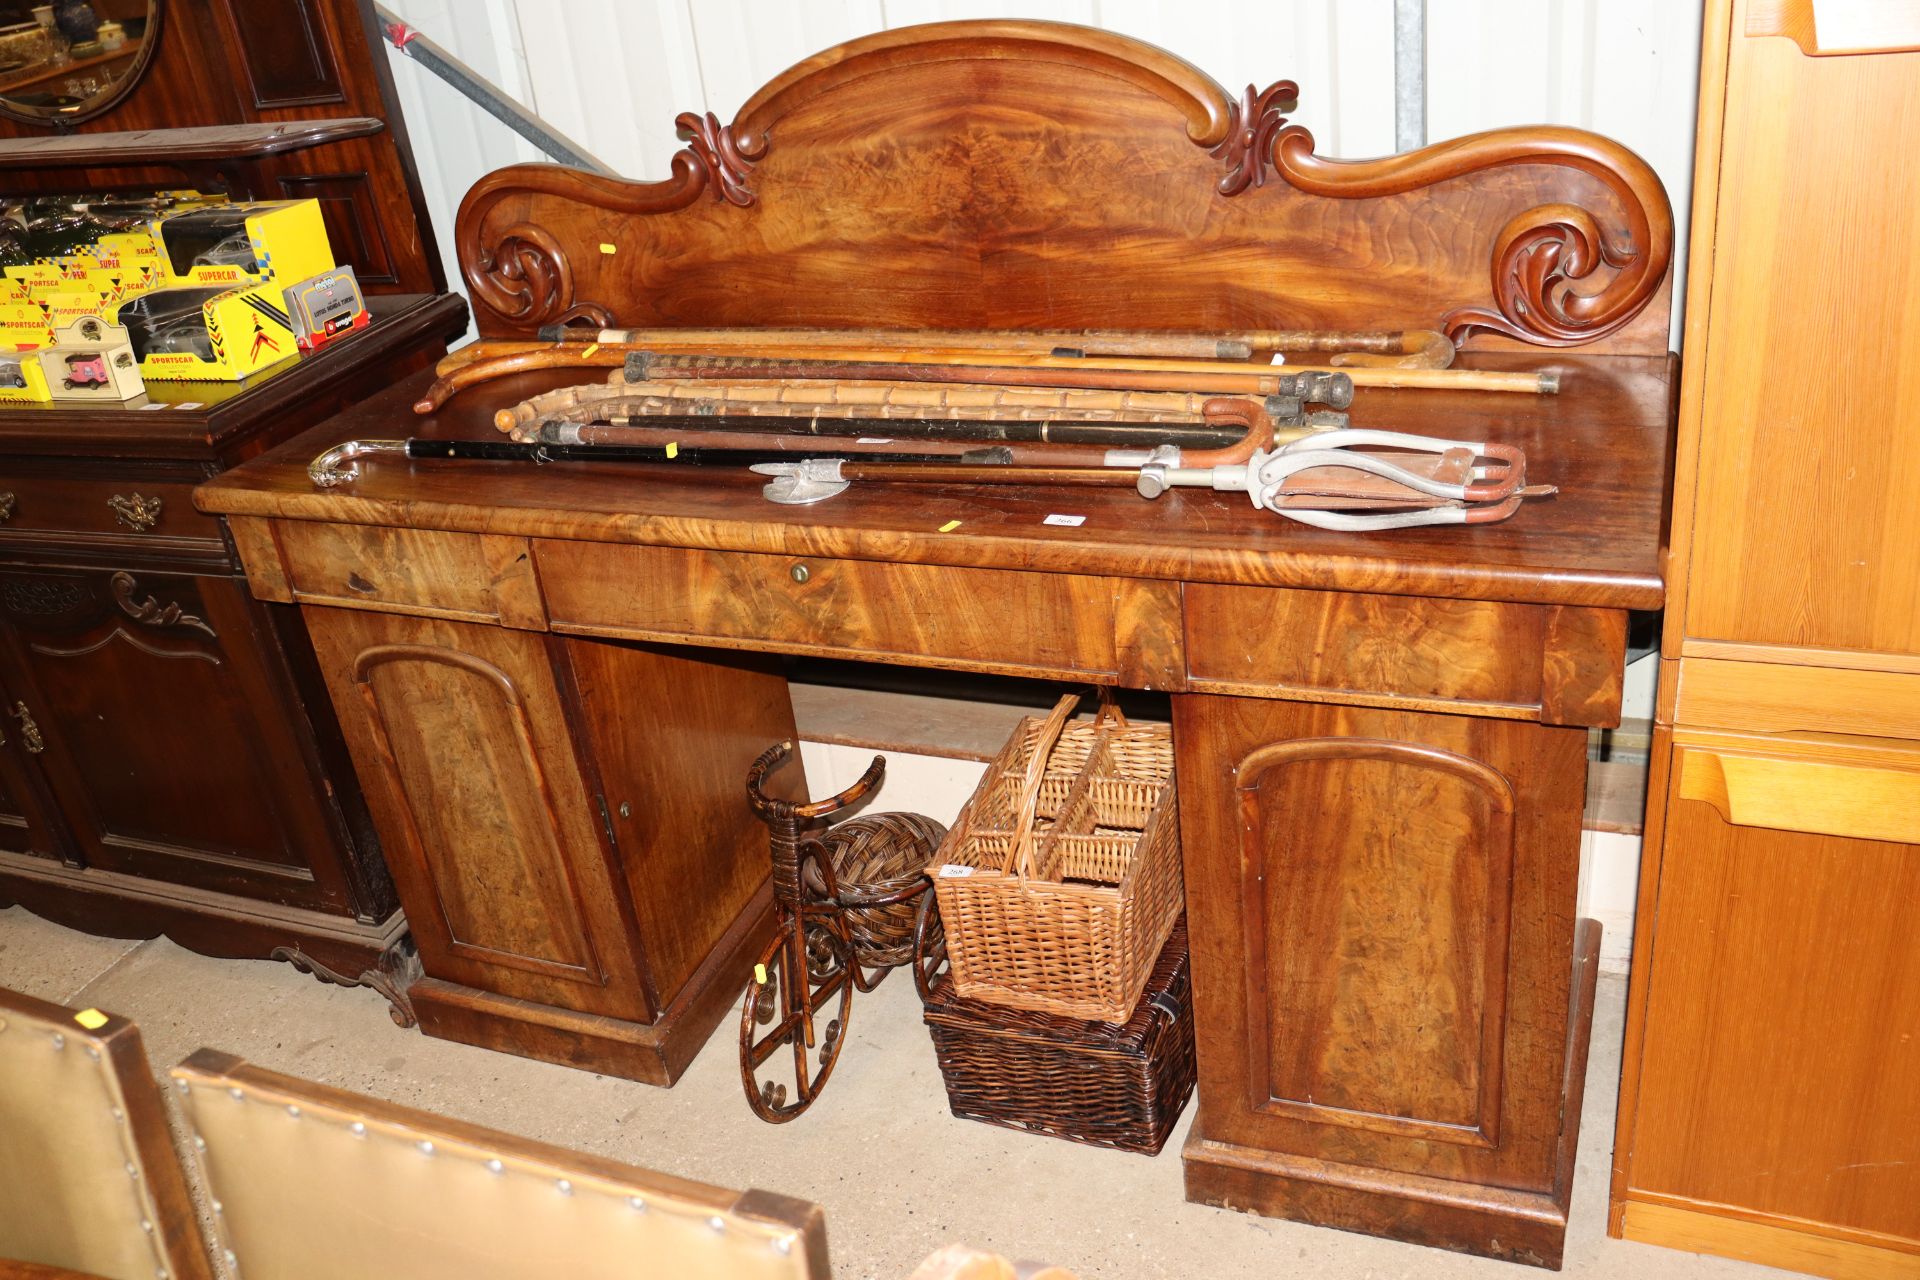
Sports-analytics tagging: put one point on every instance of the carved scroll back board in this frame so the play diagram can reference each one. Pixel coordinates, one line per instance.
(1037, 175)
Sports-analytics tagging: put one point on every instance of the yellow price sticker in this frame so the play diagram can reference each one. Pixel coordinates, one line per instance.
(673, 448)
(949, 526)
(91, 1019)
(606, 248)
(760, 974)
(587, 354)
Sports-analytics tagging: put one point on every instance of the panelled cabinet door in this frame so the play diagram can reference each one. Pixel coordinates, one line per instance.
(1806, 522)
(1393, 871)
(1781, 1068)
(491, 834)
(145, 701)
(29, 821)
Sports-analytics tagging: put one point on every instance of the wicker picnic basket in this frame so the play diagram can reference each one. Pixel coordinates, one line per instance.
(1060, 880)
(1119, 1085)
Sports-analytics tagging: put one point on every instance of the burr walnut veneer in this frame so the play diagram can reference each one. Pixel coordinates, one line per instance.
(552, 678)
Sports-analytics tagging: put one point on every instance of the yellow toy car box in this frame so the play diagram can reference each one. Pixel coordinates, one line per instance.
(235, 244)
(218, 308)
(22, 379)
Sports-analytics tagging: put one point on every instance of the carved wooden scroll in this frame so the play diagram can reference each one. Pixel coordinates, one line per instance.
(1008, 174)
(1543, 254)
(1248, 149)
(723, 161)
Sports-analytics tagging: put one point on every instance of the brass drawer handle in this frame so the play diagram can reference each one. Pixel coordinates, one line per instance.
(6, 506)
(29, 731)
(137, 513)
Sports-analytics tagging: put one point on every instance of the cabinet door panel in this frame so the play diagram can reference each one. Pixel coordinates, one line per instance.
(1804, 527)
(1390, 869)
(28, 821)
(166, 737)
(1378, 932)
(1781, 1069)
(489, 829)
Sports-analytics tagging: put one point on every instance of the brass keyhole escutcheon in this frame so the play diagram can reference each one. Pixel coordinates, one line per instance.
(800, 573)
(626, 810)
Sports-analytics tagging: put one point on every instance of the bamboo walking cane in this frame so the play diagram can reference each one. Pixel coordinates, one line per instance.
(1230, 431)
(1409, 348)
(1001, 369)
(1322, 386)
(951, 402)
(1413, 348)
(751, 341)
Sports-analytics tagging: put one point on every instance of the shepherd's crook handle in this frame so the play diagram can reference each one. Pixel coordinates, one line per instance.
(338, 465)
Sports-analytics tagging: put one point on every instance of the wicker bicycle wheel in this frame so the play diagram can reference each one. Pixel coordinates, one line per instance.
(876, 858)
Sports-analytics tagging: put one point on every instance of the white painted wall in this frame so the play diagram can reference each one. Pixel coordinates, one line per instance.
(612, 74)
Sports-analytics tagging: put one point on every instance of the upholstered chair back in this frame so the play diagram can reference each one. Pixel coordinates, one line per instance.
(314, 1183)
(89, 1177)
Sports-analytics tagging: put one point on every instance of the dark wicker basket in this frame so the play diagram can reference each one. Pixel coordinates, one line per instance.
(1104, 1084)
(875, 859)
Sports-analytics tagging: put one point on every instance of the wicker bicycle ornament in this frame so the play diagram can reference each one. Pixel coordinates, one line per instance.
(844, 903)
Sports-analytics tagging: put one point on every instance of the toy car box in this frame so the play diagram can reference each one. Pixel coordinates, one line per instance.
(235, 244)
(21, 379)
(219, 312)
(90, 360)
(326, 307)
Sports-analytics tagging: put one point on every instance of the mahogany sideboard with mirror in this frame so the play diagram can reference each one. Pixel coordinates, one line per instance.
(210, 64)
(1381, 738)
(170, 763)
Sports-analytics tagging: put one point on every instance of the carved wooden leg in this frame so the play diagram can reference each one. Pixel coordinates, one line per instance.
(1392, 1038)
(396, 971)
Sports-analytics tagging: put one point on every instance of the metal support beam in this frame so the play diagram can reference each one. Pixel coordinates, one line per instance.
(484, 94)
(1409, 74)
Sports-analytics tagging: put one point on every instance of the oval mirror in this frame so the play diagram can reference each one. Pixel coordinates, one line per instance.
(63, 61)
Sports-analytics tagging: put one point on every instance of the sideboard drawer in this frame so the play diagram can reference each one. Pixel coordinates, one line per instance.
(1555, 664)
(467, 577)
(978, 619)
(133, 510)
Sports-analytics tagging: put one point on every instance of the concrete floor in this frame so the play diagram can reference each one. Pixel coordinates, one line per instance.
(895, 1173)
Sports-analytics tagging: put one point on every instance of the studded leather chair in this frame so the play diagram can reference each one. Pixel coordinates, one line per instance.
(314, 1182)
(90, 1181)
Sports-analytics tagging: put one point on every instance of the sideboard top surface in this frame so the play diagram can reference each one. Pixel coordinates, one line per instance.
(1010, 175)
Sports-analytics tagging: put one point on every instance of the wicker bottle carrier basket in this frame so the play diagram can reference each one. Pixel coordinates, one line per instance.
(1060, 880)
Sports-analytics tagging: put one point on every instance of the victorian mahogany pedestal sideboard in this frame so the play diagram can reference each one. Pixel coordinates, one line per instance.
(552, 678)
(1381, 754)
(169, 762)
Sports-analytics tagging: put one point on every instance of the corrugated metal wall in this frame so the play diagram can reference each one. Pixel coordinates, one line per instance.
(612, 74)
